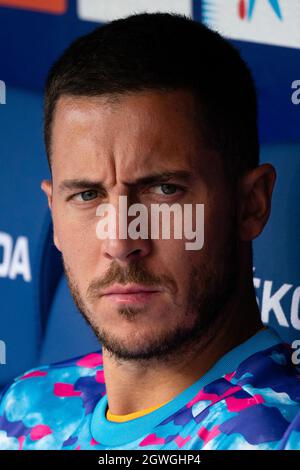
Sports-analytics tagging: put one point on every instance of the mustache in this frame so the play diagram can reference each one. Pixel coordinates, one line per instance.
(132, 273)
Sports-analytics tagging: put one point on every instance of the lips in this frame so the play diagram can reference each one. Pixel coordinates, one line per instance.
(133, 294)
(132, 289)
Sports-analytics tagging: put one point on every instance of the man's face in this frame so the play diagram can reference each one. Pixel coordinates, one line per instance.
(116, 143)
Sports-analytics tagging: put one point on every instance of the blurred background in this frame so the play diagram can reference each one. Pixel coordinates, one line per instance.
(39, 322)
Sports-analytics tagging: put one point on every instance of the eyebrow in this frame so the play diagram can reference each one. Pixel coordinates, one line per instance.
(158, 177)
(77, 184)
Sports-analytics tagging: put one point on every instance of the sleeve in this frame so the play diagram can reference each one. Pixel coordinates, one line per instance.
(8, 438)
(16, 401)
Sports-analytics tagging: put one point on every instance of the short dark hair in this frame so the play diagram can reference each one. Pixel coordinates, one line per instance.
(163, 51)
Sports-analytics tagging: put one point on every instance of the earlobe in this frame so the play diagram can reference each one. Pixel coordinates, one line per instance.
(255, 195)
(56, 242)
(46, 186)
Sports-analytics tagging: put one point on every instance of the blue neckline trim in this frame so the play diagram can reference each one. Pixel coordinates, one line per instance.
(113, 434)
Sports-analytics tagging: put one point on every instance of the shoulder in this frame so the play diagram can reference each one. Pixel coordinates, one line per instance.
(62, 379)
(270, 383)
(257, 404)
(271, 374)
(44, 398)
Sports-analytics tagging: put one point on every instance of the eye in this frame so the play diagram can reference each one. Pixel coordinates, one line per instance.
(86, 195)
(166, 189)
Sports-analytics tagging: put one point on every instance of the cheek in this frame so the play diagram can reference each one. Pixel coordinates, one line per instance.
(77, 238)
(172, 258)
(217, 222)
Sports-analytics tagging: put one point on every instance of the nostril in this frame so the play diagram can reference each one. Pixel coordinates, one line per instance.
(135, 253)
(125, 250)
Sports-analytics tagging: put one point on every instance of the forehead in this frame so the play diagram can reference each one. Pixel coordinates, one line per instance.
(129, 133)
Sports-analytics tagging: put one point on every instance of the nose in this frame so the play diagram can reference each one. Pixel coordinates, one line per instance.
(126, 249)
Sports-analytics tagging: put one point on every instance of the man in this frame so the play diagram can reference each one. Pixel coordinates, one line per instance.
(160, 110)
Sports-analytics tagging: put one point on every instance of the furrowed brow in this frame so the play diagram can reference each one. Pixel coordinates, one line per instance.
(84, 184)
(161, 177)
(80, 184)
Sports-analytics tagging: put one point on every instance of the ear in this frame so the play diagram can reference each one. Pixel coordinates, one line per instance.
(46, 186)
(255, 194)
